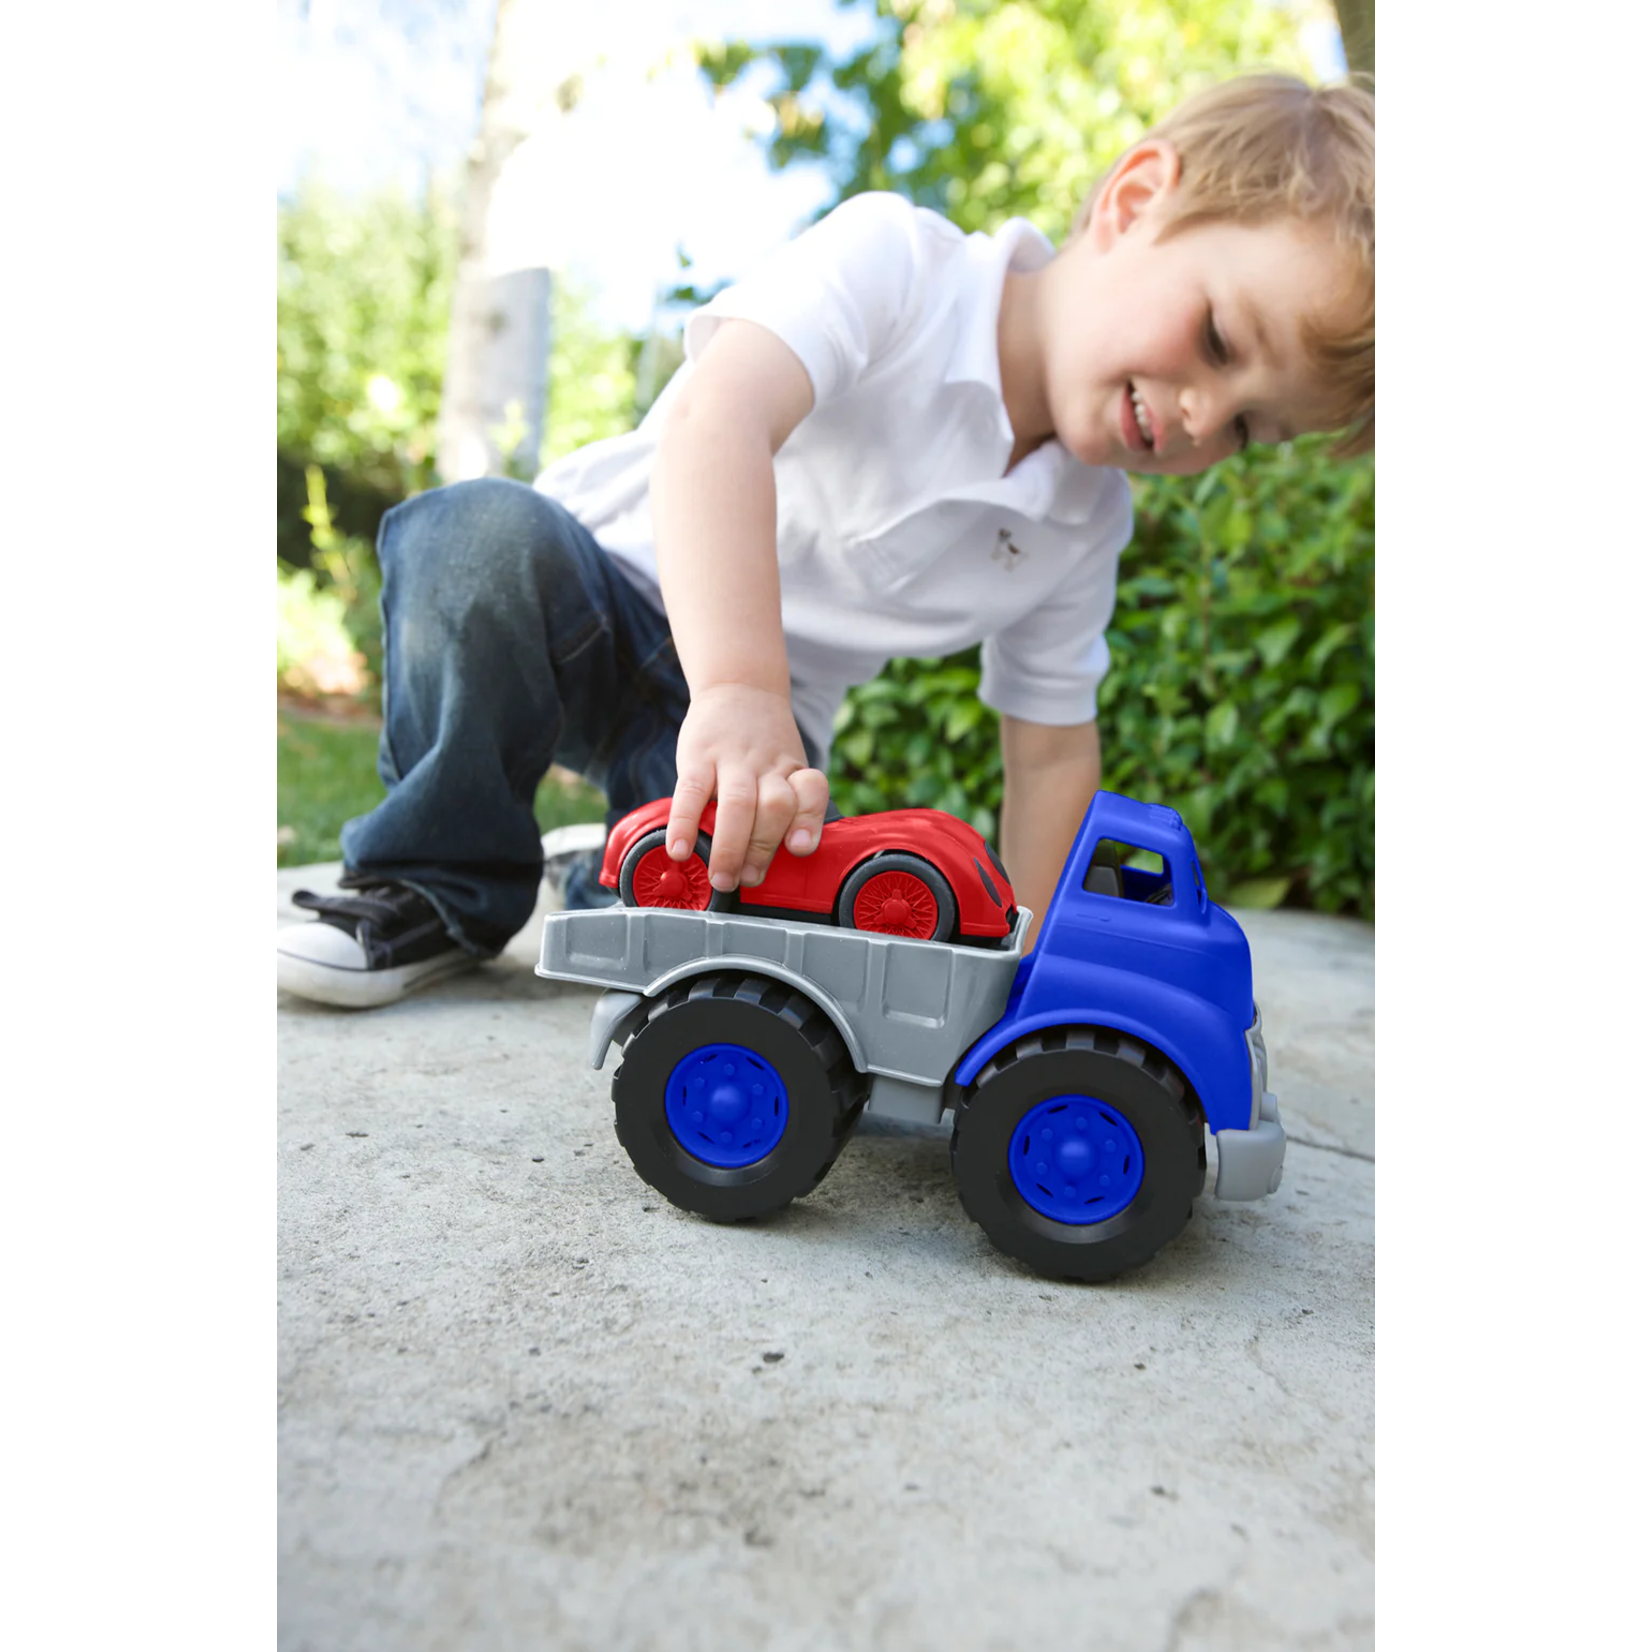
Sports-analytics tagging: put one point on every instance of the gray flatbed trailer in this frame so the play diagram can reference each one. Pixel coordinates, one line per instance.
(907, 1010)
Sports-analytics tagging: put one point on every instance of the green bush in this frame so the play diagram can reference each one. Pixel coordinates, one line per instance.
(363, 286)
(916, 736)
(329, 637)
(314, 652)
(1241, 690)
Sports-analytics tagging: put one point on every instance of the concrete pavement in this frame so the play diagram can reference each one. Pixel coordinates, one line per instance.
(526, 1403)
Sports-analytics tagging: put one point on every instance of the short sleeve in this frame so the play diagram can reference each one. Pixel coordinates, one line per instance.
(1047, 666)
(836, 295)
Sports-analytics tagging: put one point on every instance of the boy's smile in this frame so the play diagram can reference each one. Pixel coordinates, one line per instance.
(1162, 354)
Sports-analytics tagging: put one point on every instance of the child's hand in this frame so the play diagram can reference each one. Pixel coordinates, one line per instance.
(741, 746)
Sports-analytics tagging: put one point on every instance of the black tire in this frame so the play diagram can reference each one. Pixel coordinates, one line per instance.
(946, 906)
(646, 845)
(1134, 1083)
(783, 1028)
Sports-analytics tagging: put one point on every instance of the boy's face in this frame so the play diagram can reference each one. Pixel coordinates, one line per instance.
(1168, 354)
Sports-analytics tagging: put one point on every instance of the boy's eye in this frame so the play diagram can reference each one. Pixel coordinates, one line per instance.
(1214, 342)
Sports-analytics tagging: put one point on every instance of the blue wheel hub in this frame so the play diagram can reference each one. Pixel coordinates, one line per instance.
(726, 1104)
(1076, 1160)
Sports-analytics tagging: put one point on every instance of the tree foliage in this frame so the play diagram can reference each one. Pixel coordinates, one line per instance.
(362, 293)
(985, 110)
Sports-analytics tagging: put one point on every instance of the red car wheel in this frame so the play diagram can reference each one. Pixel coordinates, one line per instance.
(896, 894)
(650, 877)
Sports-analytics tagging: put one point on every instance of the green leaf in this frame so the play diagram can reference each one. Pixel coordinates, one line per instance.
(964, 716)
(1336, 702)
(1326, 645)
(1221, 724)
(1153, 585)
(1274, 795)
(856, 748)
(1275, 642)
(1237, 530)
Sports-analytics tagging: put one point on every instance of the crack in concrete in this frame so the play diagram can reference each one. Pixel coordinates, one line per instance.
(1326, 1147)
(1203, 1609)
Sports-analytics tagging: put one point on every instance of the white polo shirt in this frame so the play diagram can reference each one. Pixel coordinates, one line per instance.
(899, 534)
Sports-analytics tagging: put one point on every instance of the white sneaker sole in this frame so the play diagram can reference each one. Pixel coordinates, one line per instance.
(574, 840)
(363, 989)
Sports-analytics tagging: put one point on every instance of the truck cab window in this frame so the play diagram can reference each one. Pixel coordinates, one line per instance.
(1124, 872)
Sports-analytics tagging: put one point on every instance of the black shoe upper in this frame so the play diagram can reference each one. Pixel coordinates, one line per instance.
(391, 923)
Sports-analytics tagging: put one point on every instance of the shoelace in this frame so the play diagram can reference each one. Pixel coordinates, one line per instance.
(374, 903)
(390, 922)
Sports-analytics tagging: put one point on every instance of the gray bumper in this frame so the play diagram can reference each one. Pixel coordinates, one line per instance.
(610, 1009)
(1250, 1162)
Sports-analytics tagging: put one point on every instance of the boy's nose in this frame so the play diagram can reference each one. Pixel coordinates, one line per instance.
(1204, 414)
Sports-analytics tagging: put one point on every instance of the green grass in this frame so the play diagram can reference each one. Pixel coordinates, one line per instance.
(326, 774)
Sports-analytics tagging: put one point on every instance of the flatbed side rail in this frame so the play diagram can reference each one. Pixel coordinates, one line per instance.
(906, 1009)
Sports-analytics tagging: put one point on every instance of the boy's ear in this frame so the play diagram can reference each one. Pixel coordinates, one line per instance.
(1141, 178)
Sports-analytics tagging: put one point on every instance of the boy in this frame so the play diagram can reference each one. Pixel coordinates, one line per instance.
(892, 439)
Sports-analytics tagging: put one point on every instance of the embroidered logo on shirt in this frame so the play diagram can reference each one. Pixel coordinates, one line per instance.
(1006, 551)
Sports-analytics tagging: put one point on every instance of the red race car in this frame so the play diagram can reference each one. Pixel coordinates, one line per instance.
(918, 873)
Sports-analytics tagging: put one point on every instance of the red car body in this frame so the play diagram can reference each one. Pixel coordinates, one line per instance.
(812, 883)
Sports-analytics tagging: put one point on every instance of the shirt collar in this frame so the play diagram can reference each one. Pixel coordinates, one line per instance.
(1018, 245)
(1054, 484)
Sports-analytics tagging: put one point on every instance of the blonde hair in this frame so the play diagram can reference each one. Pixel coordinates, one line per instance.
(1263, 147)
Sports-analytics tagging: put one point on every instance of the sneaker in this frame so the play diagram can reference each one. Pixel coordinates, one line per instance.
(573, 857)
(375, 942)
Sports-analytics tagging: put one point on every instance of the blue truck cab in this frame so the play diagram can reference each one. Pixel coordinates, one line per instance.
(1135, 951)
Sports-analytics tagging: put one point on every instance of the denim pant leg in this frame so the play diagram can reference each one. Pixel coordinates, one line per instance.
(511, 642)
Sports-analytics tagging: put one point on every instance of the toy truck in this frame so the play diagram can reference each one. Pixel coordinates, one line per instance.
(1081, 1077)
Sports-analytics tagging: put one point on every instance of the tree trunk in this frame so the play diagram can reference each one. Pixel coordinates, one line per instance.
(493, 393)
(1358, 21)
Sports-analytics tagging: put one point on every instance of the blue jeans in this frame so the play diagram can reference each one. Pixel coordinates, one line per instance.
(511, 642)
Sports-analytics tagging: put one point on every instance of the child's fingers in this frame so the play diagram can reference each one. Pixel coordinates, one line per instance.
(736, 810)
(810, 789)
(688, 803)
(776, 805)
